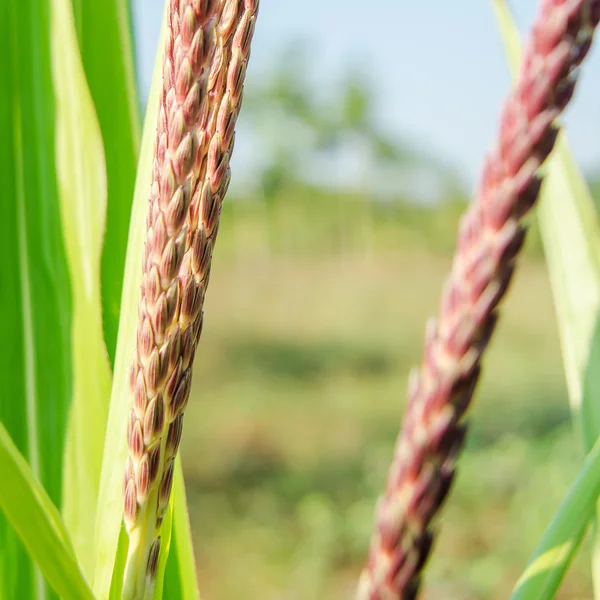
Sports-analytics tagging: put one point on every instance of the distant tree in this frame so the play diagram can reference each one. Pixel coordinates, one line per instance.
(298, 129)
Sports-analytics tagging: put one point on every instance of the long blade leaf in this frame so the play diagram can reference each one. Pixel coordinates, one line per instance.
(180, 575)
(37, 521)
(571, 238)
(35, 298)
(559, 544)
(110, 513)
(82, 195)
(105, 41)
(166, 536)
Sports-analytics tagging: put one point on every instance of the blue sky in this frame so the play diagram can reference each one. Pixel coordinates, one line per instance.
(437, 67)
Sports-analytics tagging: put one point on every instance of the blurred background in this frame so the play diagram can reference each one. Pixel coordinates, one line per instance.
(359, 143)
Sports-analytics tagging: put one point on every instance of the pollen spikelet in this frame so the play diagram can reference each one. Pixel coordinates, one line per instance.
(206, 54)
(490, 236)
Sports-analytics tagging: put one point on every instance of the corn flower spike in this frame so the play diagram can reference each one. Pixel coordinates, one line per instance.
(489, 238)
(206, 54)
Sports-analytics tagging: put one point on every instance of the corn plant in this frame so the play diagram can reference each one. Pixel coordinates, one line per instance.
(108, 235)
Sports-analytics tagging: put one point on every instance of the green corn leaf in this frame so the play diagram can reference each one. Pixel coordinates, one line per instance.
(166, 534)
(82, 196)
(105, 42)
(545, 571)
(116, 585)
(571, 238)
(36, 520)
(110, 508)
(180, 576)
(35, 295)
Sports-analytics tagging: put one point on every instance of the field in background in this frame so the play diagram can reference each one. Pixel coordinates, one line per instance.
(315, 314)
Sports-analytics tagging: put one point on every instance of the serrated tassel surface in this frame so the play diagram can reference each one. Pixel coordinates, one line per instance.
(490, 236)
(206, 54)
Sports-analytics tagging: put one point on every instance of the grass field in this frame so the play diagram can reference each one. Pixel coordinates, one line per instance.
(299, 390)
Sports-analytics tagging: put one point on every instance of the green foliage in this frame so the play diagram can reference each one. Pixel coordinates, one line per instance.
(62, 268)
(109, 517)
(82, 201)
(571, 238)
(180, 573)
(104, 32)
(35, 296)
(30, 511)
(295, 124)
(561, 540)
